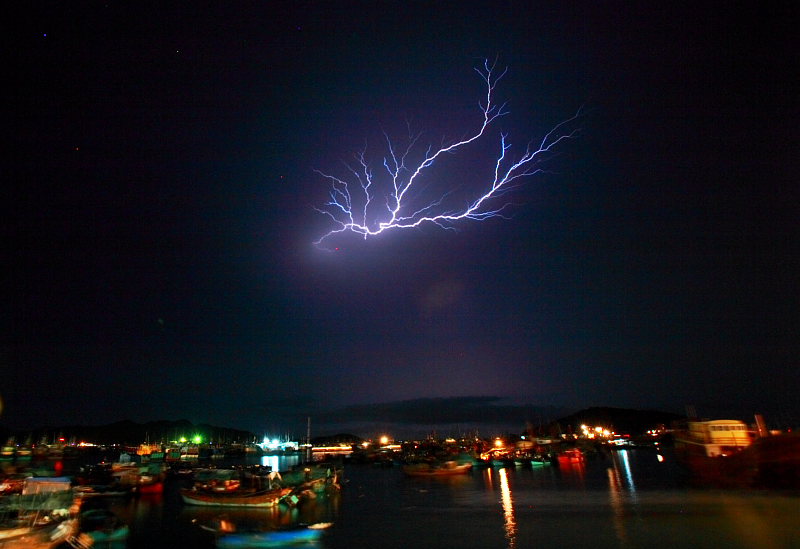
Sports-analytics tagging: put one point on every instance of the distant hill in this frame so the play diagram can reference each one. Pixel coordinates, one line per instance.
(621, 420)
(130, 433)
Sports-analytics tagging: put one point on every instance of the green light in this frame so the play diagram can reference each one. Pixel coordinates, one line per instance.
(183, 439)
(197, 439)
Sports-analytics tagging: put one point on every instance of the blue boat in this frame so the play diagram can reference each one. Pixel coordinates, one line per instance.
(274, 538)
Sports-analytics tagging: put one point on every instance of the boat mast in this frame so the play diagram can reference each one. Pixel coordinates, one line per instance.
(308, 440)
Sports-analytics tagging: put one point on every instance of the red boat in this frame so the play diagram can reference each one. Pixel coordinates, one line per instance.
(570, 457)
(156, 487)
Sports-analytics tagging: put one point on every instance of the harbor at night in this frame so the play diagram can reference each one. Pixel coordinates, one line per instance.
(594, 487)
(392, 273)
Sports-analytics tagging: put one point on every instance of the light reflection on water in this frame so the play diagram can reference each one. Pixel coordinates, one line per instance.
(615, 497)
(621, 494)
(508, 509)
(624, 499)
(621, 461)
(280, 463)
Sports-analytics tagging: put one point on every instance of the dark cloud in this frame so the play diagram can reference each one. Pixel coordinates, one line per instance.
(456, 415)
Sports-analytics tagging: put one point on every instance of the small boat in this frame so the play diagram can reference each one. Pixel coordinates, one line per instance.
(154, 487)
(8, 450)
(39, 517)
(100, 480)
(539, 461)
(571, 457)
(446, 469)
(274, 538)
(148, 478)
(310, 482)
(46, 536)
(12, 483)
(103, 526)
(236, 498)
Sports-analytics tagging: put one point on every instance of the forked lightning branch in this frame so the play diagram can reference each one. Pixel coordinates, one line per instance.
(368, 204)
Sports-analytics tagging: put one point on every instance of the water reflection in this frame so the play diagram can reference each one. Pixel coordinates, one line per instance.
(572, 467)
(280, 463)
(615, 497)
(508, 509)
(621, 488)
(487, 479)
(622, 463)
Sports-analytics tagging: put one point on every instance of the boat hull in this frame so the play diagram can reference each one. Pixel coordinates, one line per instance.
(277, 538)
(268, 498)
(46, 537)
(770, 462)
(151, 488)
(428, 471)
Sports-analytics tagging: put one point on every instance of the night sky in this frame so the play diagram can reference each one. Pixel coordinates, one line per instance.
(160, 194)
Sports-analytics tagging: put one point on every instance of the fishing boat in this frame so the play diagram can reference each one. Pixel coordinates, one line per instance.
(8, 450)
(446, 469)
(144, 478)
(39, 517)
(726, 452)
(275, 538)
(12, 483)
(41, 536)
(100, 480)
(150, 452)
(539, 460)
(716, 451)
(235, 498)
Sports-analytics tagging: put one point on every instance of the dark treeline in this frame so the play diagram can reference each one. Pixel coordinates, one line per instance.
(130, 433)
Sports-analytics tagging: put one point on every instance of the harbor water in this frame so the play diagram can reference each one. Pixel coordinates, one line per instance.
(627, 499)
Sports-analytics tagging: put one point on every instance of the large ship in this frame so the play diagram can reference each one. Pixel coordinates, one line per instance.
(727, 452)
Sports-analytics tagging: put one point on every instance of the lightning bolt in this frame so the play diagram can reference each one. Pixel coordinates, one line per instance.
(352, 204)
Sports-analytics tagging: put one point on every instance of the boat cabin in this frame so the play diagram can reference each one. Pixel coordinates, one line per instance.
(721, 437)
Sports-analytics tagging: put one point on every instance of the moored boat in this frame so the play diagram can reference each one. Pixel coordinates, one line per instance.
(150, 452)
(38, 518)
(446, 469)
(8, 450)
(727, 453)
(102, 480)
(570, 456)
(235, 498)
(12, 483)
(144, 478)
(45, 536)
(274, 538)
(102, 526)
